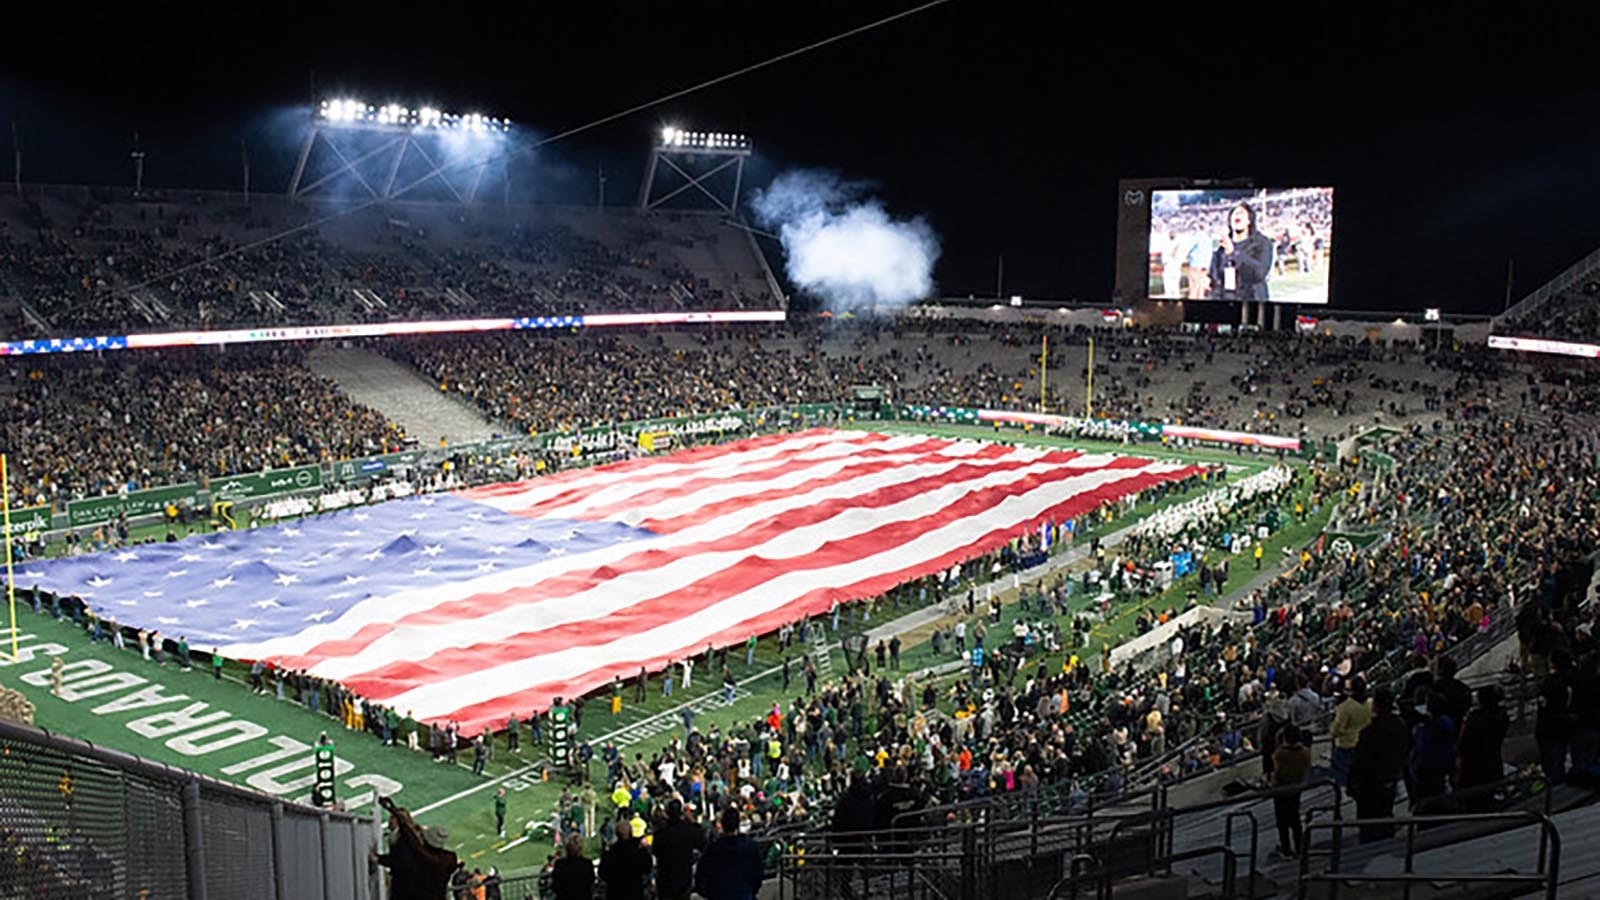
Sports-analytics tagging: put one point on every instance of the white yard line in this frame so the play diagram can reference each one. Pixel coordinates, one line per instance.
(518, 841)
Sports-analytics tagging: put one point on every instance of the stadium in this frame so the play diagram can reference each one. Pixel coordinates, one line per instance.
(393, 511)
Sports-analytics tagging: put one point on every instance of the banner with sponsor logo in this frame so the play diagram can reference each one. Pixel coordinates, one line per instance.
(27, 520)
(133, 503)
(349, 470)
(265, 484)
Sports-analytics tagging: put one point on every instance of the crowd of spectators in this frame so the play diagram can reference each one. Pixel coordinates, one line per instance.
(145, 420)
(92, 263)
(78, 427)
(1308, 387)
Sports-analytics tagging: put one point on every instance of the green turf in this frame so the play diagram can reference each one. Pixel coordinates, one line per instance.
(452, 796)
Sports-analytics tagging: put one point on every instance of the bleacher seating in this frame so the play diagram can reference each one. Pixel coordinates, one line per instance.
(89, 260)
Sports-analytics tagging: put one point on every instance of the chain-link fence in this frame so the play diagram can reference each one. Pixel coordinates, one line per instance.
(81, 821)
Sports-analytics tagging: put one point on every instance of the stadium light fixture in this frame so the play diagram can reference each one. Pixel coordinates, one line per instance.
(673, 137)
(351, 112)
(1431, 314)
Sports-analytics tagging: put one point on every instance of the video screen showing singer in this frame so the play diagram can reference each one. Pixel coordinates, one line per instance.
(1241, 244)
(1241, 264)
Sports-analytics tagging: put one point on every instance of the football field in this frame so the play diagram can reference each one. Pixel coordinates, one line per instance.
(187, 718)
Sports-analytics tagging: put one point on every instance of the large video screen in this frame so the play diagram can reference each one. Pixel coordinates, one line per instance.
(1247, 244)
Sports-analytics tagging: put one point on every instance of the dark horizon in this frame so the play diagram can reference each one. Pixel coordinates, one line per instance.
(1453, 146)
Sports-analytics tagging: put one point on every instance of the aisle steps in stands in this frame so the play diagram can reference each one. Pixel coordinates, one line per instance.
(398, 392)
(369, 299)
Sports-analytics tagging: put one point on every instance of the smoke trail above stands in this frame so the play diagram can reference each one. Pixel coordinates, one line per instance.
(841, 244)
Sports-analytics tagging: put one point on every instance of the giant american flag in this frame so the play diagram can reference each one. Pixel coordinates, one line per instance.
(470, 605)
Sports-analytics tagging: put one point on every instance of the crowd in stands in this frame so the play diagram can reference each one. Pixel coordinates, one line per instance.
(90, 261)
(1282, 384)
(1482, 502)
(78, 427)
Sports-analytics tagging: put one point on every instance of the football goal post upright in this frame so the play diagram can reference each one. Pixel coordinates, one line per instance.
(11, 585)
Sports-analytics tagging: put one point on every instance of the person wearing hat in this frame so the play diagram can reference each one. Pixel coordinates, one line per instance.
(625, 865)
(675, 846)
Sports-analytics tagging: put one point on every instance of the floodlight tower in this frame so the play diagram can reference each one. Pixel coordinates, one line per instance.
(696, 157)
(371, 147)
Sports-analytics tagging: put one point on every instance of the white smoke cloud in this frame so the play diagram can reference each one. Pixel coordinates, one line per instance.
(841, 244)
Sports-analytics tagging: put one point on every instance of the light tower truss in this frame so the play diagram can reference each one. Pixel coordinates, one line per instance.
(395, 152)
(704, 161)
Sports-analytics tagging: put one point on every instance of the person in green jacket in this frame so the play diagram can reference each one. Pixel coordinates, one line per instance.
(216, 664)
(500, 812)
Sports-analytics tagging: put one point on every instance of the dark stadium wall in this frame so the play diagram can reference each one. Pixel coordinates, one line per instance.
(1131, 281)
(1159, 313)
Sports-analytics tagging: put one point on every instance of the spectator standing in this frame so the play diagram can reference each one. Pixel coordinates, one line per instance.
(1433, 751)
(1291, 764)
(675, 847)
(730, 869)
(1552, 729)
(1350, 717)
(1478, 759)
(1378, 766)
(573, 876)
(625, 865)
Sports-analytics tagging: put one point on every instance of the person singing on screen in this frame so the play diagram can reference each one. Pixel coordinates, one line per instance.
(1243, 258)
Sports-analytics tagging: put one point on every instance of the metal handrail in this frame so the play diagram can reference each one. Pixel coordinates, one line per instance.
(1094, 801)
(1105, 876)
(1255, 840)
(1548, 869)
(1563, 280)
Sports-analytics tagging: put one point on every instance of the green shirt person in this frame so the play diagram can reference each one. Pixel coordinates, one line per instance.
(216, 664)
(408, 730)
(500, 812)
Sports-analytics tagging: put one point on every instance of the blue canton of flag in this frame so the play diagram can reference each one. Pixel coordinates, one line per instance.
(258, 584)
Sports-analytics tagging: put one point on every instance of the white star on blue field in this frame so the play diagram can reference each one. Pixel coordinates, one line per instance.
(253, 585)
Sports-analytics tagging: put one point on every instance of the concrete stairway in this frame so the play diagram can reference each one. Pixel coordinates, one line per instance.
(401, 394)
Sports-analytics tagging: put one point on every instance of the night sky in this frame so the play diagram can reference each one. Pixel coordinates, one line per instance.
(1455, 143)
